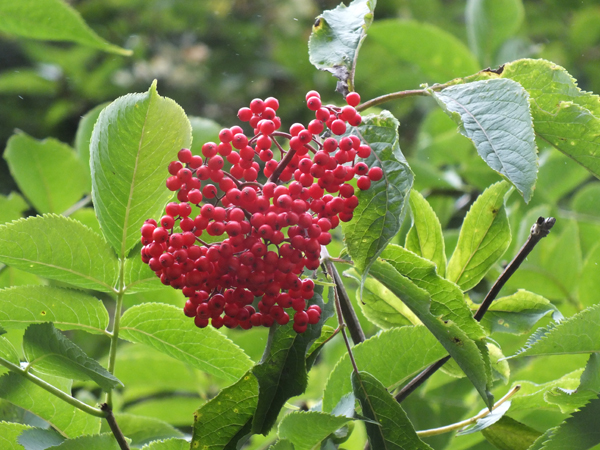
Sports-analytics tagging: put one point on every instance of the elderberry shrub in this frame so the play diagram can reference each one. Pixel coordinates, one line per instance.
(274, 230)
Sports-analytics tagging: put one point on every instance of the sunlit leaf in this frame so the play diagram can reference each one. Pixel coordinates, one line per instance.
(306, 429)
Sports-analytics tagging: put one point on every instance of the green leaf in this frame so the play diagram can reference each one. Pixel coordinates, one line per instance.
(563, 260)
(203, 131)
(52, 20)
(138, 276)
(83, 138)
(39, 438)
(66, 308)
(465, 351)
(337, 36)
(563, 115)
(553, 166)
(282, 444)
(508, 434)
(227, 418)
(66, 419)
(381, 209)
(589, 281)
(327, 333)
(533, 396)
(589, 387)
(487, 421)
(166, 329)
(26, 81)
(577, 334)
(87, 216)
(142, 430)
(490, 23)
(15, 277)
(133, 141)
(306, 429)
(9, 432)
(168, 444)
(484, 237)
(176, 409)
(425, 237)
(518, 313)
(282, 371)
(578, 432)
(413, 347)
(51, 353)
(59, 248)
(495, 115)
(105, 441)
(12, 207)
(48, 172)
(8, 352)
(588, 219)
(394, 431)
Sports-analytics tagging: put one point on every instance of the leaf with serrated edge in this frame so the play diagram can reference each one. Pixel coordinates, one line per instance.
(589, 387)
(495, 115)
(395, 431)
(465, 351)
(532, 396)
(392, 356)
(381, 209)
(12, 207)
(66, 419)
(484, 237)
(577, 334)
(425, 237)
(83, 137)
(68, 309)
(168, 330)
(9, 433)
(142, 430)
(168, 444)
(104, 441)
(132, 144)
(138, 276)
(51, 353)
(39, 168)
(336, 38)
(306, 429)
(228, 416)
(59, 248)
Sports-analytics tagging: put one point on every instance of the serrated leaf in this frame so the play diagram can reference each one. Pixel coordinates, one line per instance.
(518, 313)
(66, 308)
(306, 429)
(168, 444)
(226, 418)
(425, 237)
(133, 141)
(59, 248)
(166, 329)
(105, 441)
(589, 387)
(40, 169)
(39, 439)
(495, 115)
(9, 433)
(382, 207)
(490, 23)
(83, 137)
(138, 276)
(66, 419)
(487, 421)
(532, 396)
(282, 372)
(282, 444)
(12, 207)
(51, 353)
(508, 434)
(413, 348)
(577, 334)
(8, 352)
(484, 237)
(142, 430)
(395, 431)
(52, 20)
(465, 351)
(337, 36)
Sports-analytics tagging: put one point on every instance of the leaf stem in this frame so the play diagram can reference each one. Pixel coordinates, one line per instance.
(114, 339)
(540, 229)
(53, 389)
(114, 427)
(464, 423)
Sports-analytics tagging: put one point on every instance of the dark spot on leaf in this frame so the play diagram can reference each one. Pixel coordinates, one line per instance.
(494, 211)
(456, 341)
(43, 313)
(317, 22)
(497, 71)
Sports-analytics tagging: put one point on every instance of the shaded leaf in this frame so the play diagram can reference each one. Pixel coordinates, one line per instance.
(315, 349)
(306, 429)
(395, 431)
(508, 434)
(589, 281)
(59, 248)
(9, 432)
(563, 260)
(66, 308)
(495, 115)
(166, 329)
(138, 276)
(142, 430)
(425, 237)
(589, 387)
(83, 136)
(203, 131)
(392, 356)
(52, 20)
(12, 207)
(486, 421)
(533, 396)
(133, 141)
(39, 439)
(484, 237)
(282, 444)
(168, 444)
(227, 418)
(48, 172)
(105, 441)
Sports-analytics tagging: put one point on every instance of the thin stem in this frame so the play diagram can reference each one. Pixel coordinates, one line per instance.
(52, 389)
(112, 423)
(401, 94)
(464, 423)
(114, 340)
(350, 318)
(282, 165)
(342, 326)
(77, 206)
(540, 229)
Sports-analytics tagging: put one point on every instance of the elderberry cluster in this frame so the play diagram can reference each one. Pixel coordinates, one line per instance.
(273, 231)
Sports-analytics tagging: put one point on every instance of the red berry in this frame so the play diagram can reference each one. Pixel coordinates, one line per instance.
(353, 99)
(375, 173)
(184, 155)
(338, 127)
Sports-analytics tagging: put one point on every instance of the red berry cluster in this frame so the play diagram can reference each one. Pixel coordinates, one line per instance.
(274, 231)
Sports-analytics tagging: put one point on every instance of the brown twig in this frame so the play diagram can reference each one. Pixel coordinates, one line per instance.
(114, 427)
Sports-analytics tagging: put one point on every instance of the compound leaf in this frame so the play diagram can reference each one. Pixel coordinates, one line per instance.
(306, 429)
(133, 141)
(59, 248)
